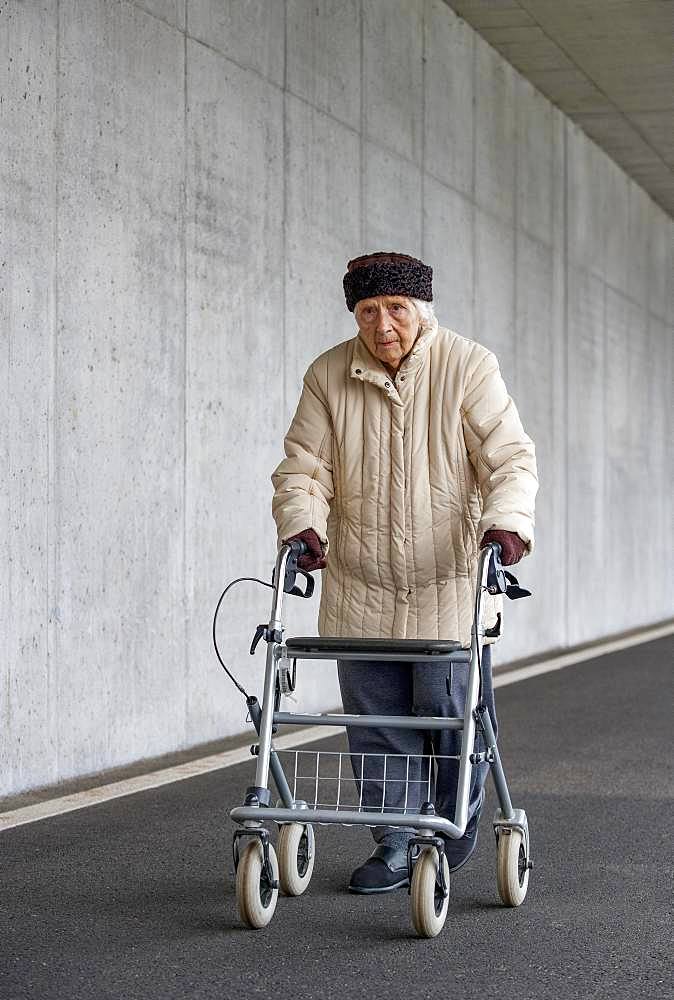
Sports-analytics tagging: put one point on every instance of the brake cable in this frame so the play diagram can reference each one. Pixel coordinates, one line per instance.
(241, 579)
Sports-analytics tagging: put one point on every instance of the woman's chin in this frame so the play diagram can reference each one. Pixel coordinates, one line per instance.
(390, 357)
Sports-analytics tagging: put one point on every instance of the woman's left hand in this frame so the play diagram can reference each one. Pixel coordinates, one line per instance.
(512, 546)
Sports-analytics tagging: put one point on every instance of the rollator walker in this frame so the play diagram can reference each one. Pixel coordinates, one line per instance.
(301, 785)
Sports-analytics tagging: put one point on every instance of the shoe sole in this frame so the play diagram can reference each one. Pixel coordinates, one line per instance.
(379, 889)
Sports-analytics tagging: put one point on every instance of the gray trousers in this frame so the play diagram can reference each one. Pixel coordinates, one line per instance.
(398, 783)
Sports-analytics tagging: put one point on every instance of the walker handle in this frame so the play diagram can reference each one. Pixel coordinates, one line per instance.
(297, 548)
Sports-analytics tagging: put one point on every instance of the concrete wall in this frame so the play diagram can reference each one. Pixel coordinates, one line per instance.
(184, 184)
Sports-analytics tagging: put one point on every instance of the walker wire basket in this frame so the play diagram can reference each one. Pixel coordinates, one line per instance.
(374, 783)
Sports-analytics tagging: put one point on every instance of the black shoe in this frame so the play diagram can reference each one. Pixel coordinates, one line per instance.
(460, 851)
(384, 871)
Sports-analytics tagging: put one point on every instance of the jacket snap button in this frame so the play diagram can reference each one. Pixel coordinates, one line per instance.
(359, 371)
(387, 384)
(402, 378)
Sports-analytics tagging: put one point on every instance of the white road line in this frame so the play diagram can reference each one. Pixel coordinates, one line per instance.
(215, 762)
(154, 779)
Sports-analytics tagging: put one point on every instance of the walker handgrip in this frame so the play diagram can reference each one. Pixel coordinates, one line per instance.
(297, 548)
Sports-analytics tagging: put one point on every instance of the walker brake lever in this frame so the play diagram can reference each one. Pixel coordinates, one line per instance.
(513, 589)
(297, 591)
(500, 581)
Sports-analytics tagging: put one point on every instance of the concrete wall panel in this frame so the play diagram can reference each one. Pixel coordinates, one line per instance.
(532, 624)
(448, 103)
(656, 539)
(495, 290)
(665, 370)
(249, 32)
(559, 401)
(323, 55)
(392, 75)
(448, 243)
(656, 469)
(392, 208)
(627, 389)
(661, 262)
(586, 196)
(494, 132)
(638, 243)
(617, 225)
(587, 571)
(234, 354)
(323, 218)
(118, 422)
(534, 161)
(27, 308)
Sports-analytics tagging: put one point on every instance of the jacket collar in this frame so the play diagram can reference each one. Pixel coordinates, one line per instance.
(368, 369)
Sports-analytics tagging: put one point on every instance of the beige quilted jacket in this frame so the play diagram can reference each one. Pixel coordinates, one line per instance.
(400, 477)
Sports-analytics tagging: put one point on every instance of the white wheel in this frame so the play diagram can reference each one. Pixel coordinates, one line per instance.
(512, 874)
(429, 907)
(255, 894)
(296, 854)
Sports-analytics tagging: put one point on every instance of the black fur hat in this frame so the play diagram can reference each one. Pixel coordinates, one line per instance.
(387, 273)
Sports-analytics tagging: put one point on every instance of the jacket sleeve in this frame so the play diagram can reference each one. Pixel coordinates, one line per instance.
(302, 482)
(500, 451)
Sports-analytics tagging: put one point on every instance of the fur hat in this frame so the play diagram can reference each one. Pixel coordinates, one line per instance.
(387, 273)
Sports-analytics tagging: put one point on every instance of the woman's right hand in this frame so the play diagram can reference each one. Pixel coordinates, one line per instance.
(314, 558)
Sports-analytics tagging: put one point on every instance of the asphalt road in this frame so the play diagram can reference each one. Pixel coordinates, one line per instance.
(135, 898)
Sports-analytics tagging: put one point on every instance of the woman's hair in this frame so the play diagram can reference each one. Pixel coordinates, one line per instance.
(425, 310)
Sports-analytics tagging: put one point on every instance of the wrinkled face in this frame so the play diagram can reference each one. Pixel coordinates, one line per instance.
(389, 325)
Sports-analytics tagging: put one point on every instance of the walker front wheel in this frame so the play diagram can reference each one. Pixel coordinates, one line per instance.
(429, 903)
(512, 868)
(296, 855)
(256, 892)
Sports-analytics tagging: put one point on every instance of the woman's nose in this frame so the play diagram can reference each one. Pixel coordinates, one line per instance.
(383, 321)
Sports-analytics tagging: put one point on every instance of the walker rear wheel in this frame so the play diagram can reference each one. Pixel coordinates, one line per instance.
(512, 870)
(256, 893)
(429, 904)
(296, 855)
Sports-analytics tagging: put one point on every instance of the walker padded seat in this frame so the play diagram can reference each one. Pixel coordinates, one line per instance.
(306, 645)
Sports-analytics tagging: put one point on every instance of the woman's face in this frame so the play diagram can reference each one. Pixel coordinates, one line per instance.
(389, 325)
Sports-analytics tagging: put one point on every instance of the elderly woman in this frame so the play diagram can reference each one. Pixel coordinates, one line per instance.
(405, 456)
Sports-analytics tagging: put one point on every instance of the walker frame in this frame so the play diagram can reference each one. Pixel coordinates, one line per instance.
(513, 860)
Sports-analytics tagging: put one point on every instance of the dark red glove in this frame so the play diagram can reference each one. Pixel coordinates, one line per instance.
(512, 546)
(314, 558)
